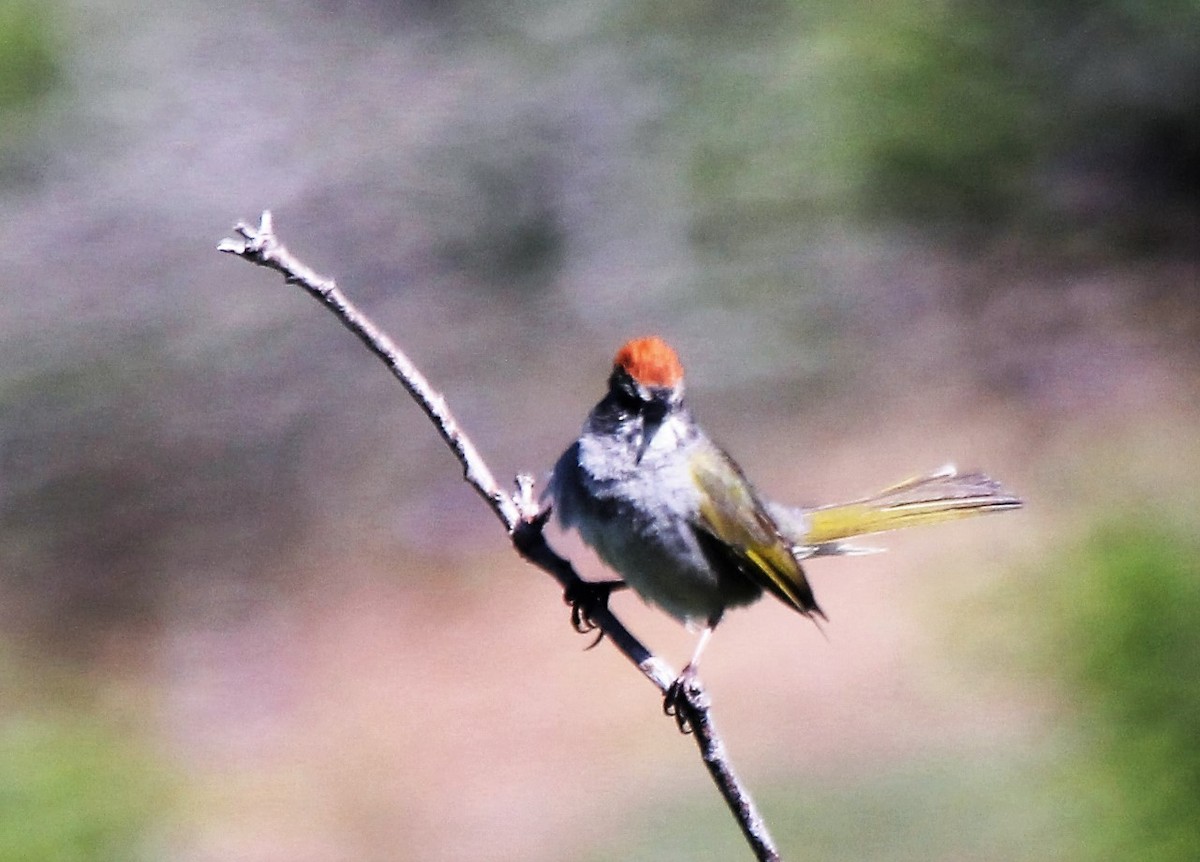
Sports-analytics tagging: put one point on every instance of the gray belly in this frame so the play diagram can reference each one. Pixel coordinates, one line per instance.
(668, 568)
(660, 558)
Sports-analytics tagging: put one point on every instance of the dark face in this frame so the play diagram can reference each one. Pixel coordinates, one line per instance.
(637, 408)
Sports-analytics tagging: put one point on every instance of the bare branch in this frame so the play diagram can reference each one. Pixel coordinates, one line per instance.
(522, 517)
(695, 707)
(260, 246)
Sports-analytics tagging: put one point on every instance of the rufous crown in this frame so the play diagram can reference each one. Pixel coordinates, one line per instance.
(651, 362)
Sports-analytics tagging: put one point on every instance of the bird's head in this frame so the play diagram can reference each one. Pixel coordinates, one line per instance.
(646, 384)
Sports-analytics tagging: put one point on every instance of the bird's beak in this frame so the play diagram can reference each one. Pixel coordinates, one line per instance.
(652, 420)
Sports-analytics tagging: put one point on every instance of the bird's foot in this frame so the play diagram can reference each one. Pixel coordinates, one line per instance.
(684, 699)
(585, 599)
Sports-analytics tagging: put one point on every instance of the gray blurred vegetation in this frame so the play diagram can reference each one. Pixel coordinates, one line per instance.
(504, 169)
(676, 150)
(845, 197)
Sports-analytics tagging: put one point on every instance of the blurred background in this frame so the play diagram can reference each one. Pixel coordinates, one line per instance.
(248, 609)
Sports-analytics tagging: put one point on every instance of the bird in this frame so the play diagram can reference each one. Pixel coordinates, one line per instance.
(675, 516)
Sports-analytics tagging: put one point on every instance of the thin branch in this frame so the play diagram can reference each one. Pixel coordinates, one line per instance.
(698, 715)
(261, 247)
(521, 515)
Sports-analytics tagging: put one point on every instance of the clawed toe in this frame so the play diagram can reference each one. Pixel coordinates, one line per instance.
(680, 699)
(585, 599)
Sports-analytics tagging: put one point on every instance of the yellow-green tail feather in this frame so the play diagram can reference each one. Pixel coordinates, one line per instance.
(946, 495)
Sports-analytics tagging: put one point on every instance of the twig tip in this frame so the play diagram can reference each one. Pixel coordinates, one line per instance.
(528, 507)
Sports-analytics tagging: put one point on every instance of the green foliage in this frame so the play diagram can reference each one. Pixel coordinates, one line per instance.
(947, 121)
(75, 786)
(941, 808)
(31, 64)
(29, 70)
(1126, 616)
(1060, 119)
(1115, 625)
(1056, 121)
(69, 791)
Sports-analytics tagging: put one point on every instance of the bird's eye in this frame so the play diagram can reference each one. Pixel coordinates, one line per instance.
(625, 395)
(629, 402)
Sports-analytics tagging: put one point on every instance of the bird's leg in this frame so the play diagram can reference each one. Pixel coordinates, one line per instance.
(585, 598)
(679, 693)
